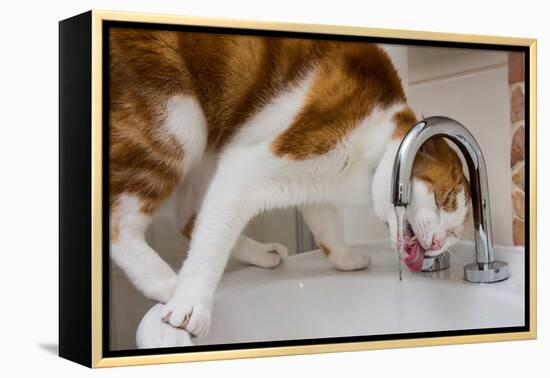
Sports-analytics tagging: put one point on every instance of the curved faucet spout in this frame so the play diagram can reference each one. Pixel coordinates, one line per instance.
(486, 268)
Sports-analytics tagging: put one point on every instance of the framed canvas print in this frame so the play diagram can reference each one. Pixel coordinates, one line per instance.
(235, 189)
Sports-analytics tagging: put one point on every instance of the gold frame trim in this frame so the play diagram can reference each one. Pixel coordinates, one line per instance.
(97, 331)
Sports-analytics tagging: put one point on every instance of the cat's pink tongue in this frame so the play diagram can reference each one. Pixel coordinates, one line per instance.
(415, 258)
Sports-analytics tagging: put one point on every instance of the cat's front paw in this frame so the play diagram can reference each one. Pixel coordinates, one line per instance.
(352, 260)
(189, 313)
(152, 332)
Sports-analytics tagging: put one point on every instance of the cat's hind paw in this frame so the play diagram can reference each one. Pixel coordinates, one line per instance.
(352, 260)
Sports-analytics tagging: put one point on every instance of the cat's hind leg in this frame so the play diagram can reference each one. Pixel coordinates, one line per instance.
(148, 159)
(147, 271)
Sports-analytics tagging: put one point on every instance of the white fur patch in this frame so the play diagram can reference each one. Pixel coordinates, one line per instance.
(185, 121)
(274, 118)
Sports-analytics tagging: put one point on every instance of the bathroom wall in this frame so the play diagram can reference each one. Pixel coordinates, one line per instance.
(471, 86)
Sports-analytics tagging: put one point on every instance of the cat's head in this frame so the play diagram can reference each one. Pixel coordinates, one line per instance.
(439, 205)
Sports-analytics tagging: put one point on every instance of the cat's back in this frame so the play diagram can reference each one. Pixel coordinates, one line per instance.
(203, 61)
(234, 76)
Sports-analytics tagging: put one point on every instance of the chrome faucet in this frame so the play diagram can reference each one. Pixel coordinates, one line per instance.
(486, 268)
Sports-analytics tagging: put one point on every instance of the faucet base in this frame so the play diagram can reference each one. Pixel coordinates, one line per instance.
(487, 273)
(437, 263)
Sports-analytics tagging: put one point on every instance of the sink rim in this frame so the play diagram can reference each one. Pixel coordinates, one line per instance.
(314, 263)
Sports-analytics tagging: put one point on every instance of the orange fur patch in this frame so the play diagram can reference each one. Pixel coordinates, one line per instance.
(404, 121)
(187, 230)
(234, 76)
(144, 74)
(325, 249)
(349, 83)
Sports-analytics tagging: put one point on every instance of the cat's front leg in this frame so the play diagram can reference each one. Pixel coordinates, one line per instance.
(228, 205)
(322, 220)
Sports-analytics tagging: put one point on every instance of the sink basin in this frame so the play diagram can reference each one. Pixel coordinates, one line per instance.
(306, 298)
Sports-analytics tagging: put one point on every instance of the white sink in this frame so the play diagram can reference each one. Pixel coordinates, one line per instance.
(306, 298)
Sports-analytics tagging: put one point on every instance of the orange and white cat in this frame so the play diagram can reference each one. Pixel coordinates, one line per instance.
(236, 125)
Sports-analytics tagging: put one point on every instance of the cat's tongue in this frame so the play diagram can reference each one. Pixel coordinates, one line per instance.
(414, 257)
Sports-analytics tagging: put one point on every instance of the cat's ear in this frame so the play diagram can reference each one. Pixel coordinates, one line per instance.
(438, 148)
(429, 147)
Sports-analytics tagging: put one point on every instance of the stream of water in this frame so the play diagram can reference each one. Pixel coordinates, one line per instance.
(400, 218)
